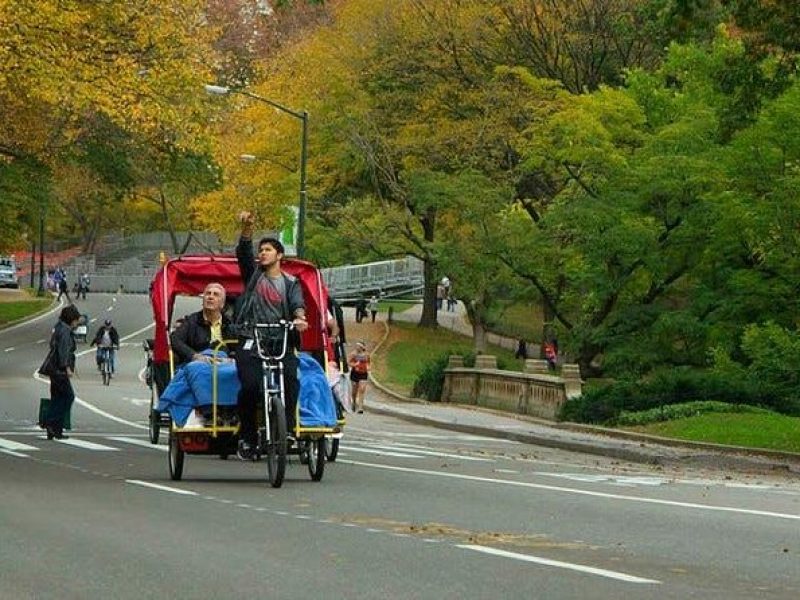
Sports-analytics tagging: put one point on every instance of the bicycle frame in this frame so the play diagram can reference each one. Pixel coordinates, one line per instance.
(270, 364)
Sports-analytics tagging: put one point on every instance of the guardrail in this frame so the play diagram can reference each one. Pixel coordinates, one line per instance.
(534, 392)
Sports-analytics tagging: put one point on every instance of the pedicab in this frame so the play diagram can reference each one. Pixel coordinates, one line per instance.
(217, 431)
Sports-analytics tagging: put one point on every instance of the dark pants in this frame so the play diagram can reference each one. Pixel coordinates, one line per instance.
(251, 396)
(61, 398)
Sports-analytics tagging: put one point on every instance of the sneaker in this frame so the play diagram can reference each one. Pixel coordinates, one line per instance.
(246, 451)
(361, 411)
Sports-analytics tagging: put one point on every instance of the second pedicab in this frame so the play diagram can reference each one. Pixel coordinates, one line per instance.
(209, 424)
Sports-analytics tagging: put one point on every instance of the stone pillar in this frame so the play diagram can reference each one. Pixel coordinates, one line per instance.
(485, 361)
(536, 366)
(455, 361)
(573, 385)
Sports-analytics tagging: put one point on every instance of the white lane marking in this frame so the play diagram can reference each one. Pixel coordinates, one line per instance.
(12, 453)
(9, 349)
(351, 448)
(405, 448)
(87, 445)
(12, 445)
(137, 401)
(163, 488)
(109, 309)
(433, 436)
(136, 442)
(559, 564)
(93, 320)
(623, 479)
(40, 341)
(510, 471)
(553, 488)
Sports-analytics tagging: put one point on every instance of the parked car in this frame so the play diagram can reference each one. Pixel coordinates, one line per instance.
(8, 272)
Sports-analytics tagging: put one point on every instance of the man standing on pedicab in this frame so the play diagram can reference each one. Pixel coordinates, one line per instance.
(270, 296)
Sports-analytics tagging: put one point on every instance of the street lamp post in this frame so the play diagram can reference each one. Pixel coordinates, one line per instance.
(40, 292)
(303, 117)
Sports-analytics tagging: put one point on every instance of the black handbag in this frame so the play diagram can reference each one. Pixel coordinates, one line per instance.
(48, 368)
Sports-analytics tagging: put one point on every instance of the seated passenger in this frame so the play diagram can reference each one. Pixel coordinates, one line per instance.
(201, 330)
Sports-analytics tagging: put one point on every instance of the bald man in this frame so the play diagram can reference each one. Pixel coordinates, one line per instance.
(203, 329)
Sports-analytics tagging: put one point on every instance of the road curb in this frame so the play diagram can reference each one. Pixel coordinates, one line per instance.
(735, 457)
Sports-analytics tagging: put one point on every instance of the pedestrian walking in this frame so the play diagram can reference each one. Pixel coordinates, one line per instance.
(359, 375)
(373, 307)
(361, 309)
(83, 286)
(59, 366)
(63, 289)
(522, 349)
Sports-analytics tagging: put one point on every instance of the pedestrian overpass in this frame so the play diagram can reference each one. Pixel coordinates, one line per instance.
(387, 278)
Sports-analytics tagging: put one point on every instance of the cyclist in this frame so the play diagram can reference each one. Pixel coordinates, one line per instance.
(270, 296)
(107, 341)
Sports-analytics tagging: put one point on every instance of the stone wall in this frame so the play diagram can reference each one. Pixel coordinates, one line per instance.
(535, 392)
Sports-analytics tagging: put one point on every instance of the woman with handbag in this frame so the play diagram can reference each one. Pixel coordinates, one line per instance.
(60, 366)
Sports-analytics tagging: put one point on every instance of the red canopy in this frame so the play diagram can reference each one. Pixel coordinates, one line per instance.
(189, 275)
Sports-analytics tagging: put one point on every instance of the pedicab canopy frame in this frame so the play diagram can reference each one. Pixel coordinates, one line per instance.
(188, 276)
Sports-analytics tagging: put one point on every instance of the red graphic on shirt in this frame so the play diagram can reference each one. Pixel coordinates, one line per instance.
(268, 292)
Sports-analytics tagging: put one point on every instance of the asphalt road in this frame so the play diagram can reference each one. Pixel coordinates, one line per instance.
(405, 512)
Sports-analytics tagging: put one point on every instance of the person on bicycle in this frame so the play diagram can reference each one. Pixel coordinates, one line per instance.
(270, 296)
(201, 330)
(107, 341)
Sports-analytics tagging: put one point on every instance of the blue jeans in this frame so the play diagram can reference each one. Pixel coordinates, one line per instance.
(112, 356)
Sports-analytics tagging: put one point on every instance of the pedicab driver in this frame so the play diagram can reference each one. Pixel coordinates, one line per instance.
(270, 296)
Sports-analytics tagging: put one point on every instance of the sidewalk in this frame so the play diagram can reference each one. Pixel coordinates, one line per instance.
(569, 436)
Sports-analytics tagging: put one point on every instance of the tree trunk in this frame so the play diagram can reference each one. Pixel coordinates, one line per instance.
(428, 318)
(479, 337)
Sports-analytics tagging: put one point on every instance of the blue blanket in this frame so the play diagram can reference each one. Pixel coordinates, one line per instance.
(317, 408)
(191, 386)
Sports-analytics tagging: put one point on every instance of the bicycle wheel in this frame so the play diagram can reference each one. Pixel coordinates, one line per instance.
(276, 446)
(316, 458)
(176, 456)
(331, 449)
(154, 420)
(106, 375)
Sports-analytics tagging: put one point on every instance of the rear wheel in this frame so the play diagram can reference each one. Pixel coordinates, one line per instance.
(154, 422)
(316, 458)
(331, 449)
(276, 446)
(176, 456)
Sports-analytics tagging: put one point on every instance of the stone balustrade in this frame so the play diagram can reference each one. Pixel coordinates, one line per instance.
(535, 392)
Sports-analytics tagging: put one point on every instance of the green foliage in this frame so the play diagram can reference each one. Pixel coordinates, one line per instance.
(680, 411)
(430, 379)
(603, 405)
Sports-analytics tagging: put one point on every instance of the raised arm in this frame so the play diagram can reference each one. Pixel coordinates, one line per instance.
(244, 249)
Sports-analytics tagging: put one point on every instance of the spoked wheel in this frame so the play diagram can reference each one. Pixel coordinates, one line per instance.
(176, 456)
(276, 446)
(154, 422)
(331, 449)
(316, 458)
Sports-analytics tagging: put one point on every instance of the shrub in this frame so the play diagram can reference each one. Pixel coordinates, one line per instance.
(604, 405)
(430, 379)
(683, 410)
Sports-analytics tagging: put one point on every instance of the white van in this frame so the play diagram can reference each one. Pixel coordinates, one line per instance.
(8, 272)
